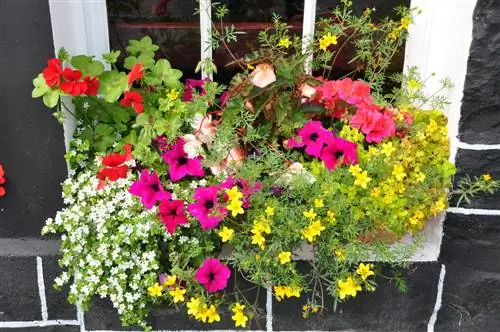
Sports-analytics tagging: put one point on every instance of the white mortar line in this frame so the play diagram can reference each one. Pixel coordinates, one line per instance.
(484, 212)
(478, 147)
(81, 317)
(41, 288)
(39, 323)
(439, 298)
(269, 310)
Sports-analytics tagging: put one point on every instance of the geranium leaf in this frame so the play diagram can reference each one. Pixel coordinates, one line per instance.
(41, 87)
(146, 59)
(163, 73)
(111, 57)
(87, 65)
(143, 46)
(51, 98)
(112, 85)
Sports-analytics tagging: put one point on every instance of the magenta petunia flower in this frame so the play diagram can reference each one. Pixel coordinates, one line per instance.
(194, 86)
(243, 186)
(149, 189)
(339, 151)
(172, 214)
(213, 275)
(180, 164)
(207, 209)
(313, 136)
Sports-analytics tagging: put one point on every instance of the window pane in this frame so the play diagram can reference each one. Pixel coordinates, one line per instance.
(170, 23)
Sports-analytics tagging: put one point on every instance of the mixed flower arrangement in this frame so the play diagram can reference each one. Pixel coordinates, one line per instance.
(177, 188)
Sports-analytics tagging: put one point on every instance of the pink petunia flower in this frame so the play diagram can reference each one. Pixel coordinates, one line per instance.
(213, 275)
(172, 214)
(180, 164)
(313, 136)
(207, 209)
(149, 189)
(243, 186)
(192, 87)
(339, 151)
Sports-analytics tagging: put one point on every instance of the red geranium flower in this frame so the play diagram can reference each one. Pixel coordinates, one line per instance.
(133, 99)
(72, 84)
(136, 73)
(92, 85)
(53, 72)
(114, 167)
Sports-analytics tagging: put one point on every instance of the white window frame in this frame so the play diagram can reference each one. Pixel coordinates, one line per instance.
(438, 45)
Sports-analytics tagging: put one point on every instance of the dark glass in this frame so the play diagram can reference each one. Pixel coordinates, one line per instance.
(170, 23)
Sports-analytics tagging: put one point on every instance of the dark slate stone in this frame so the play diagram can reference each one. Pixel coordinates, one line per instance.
(477, 163)
(480, 122)
(32, 144)
(386, 309)
(471, 252)
(19, 297)
(102, 316)
(57, 303)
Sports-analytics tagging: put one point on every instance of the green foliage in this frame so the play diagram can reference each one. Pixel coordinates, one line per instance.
(87, 65)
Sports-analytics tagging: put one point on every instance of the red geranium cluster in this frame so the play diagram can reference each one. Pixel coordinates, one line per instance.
(2, 181)
(133, 98)
(69, 80)
(114, 166)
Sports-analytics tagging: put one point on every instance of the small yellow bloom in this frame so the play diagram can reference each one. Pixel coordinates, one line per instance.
(178, 294)
(292, 291)
(259, 240)
(318, 203)
(375, 192)
(355, 169)
(311, 215)
(285, 42)
(487, 177)
(238, 308)
(261, 226)
(405, 22)
(212, 314)
(226, 234)
(348, 288)
(388, 149)
(340, 253)
(155, 290)
(250, 67)
(234, 194)
(279, 292)
(399, 172)
(413, 84)
(269, 211)
(327, 40)
(419, 177)
(170, 280)
(364, 270)
(173, 95)
(240, 319)
(315, 308)
(193, 306)
(235, 206)
(362, 179)
(439, 206)
(432, 127)
(313, 230)
(284, 257)
(330, 217)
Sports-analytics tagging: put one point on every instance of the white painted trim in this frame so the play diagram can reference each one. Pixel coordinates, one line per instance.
(81, 27)
(478, 147)
(41, 288)
(81, 317)
(439, 298)
(479, 212)
(308, 26)
(269, 310)
(205, 33)
(38, 323)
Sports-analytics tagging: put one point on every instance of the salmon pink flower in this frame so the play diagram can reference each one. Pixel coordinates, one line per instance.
(72, 84)
(339, 151)
(313, 136)
(213, 275)
(204, 129)
(180, 164)
(133, 99)
(263, 75)
(136, 73)
(374, 124)
(53, 72)
(149, 189)
(172, 214)
(207, 209)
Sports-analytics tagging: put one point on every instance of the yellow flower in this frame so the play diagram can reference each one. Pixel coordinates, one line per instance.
(155, 290)
(432, 127)
(348, 288)
(292, 291)
(170, 280)
(487, 177)
(237, 308)
(327, 40)
(233, 194)
(413, 84)
(226, 234)
(318, 203)
(364, 270)
(399, 172)
(261, 226)
(405, 22)
(419, 177)
(375, 192)
(269, 211)
(193, 306)
(235, 206)
(178, 294)
(439, 206)
(259, 240)
(330, 217)
(173, 95)
(340, 253)
(311, 215)
(313, 230)
(212, 314)
(250, 67)
(284, 257)
(240, 319)
(388, 149)
(285, 42)
(362, 179)
(279, 292)
(355, 169)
